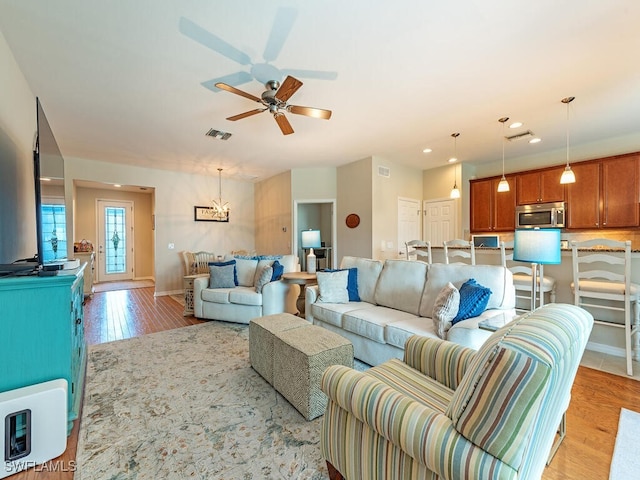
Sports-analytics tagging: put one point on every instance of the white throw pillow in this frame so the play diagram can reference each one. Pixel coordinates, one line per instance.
(445, 309)
(263, 278)
(333, 286)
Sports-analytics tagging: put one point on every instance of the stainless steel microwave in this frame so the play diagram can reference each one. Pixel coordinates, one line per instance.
(541, 215)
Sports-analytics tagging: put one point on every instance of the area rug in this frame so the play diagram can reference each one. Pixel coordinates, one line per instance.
(625, 464)
(124, 285)
(185, 403)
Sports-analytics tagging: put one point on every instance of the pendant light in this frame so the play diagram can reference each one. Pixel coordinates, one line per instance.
(568, 176)
(503, 186)
(220, 210)
(455, 191)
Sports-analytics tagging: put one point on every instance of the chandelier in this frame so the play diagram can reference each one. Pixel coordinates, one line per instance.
(220, 209)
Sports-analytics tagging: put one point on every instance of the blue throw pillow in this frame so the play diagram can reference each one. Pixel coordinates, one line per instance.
(352, 283)
(278, 270)
(473, 300)
(224, 264)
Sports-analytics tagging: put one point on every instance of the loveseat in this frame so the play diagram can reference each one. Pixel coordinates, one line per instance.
(397, 299)
(246, 290)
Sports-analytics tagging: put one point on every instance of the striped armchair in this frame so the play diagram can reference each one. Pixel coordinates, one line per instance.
(449, 412)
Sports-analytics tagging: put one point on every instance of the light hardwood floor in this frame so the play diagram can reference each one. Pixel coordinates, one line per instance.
(592, 418)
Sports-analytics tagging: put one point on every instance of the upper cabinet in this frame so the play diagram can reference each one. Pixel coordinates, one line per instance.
(492, 211)
(540, 186)
(605, 194)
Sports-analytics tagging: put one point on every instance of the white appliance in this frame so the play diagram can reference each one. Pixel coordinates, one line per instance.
(33, 423)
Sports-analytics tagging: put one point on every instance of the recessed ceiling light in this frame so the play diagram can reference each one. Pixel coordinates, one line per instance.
(427, 150)
(535, 140)
(515, 125)
(453, 159)
(117, 185)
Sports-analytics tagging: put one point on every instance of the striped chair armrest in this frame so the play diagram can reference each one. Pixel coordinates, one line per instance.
(423, 433)
(443, 361)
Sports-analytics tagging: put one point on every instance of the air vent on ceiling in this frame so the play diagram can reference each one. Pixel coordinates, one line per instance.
(218, 133)
(520, 135)
(384, 171)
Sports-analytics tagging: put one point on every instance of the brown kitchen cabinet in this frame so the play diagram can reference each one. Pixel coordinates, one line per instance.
(492, 211)
(540, 186)
(583, 197)
(620, 192)
(606, 193)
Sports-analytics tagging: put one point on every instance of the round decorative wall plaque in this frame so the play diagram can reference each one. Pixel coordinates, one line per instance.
(353, 220)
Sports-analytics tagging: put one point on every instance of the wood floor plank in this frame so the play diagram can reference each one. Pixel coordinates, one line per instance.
(592, 418)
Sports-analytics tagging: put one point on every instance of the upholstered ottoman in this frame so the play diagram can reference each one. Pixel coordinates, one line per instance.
(262, 332)
(301, 355)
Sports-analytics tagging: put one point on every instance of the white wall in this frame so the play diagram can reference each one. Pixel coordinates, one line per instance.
(176, 195)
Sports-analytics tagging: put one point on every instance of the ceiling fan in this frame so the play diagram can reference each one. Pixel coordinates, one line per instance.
(274, 99)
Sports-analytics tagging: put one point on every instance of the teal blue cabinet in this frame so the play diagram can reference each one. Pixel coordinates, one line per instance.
(42, 333)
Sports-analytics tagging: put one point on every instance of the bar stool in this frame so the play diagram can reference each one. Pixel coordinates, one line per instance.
(607, 287)
(457, 248)
(522, 275)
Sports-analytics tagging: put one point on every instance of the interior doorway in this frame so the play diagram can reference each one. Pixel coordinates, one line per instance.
(408, 223)
(316, 215)
(440, 221)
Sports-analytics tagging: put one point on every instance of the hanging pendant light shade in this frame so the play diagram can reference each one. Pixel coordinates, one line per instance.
(503, 186)
(455, 191)
(568, 176)
(220, 209)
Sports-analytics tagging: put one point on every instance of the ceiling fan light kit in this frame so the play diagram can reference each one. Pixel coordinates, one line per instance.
(274, 99)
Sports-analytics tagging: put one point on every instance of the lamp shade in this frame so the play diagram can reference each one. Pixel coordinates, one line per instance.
(310, 239)
(538, 245)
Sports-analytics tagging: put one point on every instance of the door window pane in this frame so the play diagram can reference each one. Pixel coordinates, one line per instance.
(116, 240)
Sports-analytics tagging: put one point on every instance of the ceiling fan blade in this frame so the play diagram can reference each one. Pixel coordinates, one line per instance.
(234, 79)
(209, 40)
(231, 89)
(288, 88)
(279, 32)
(240, 116)
(319, 74)
(310, 111)
(283, 123)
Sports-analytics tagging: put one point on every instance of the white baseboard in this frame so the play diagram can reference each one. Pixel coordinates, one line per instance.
(170, 292)
(608, 349)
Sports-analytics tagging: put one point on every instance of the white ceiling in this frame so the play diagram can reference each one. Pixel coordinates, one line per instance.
(122, 81)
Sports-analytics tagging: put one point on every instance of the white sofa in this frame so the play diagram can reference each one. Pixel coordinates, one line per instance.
(397, 299)
(242, 303)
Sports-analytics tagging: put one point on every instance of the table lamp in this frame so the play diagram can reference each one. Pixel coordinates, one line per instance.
(310, 239)
(539, 246)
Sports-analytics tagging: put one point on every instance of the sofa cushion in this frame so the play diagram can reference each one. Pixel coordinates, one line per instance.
(497, 278)
(371, 322)
(412, 383)
(397, 333)
(332, 286)
(245, 296)
(216, 295)
(368, 273)
(222, 275)
(473, 300)
(445, 309)
(401, 284)
(246, 269)
(331, 313)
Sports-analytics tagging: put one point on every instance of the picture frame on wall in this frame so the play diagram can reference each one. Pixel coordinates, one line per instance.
(207, 214)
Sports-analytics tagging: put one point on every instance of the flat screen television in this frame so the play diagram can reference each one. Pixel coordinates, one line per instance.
(45, 150)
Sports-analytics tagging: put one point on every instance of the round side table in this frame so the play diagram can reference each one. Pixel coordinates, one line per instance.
(303, 279)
